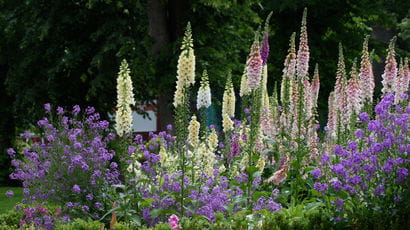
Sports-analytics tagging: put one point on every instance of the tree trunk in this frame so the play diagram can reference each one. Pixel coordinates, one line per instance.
(157, 17)
(165, 23)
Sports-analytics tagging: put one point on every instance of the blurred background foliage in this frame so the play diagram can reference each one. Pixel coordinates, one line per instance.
(68, 52)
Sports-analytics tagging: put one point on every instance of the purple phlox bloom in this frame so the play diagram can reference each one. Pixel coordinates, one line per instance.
(9, 193)
(402, 174)
(316, 173)
(76, 189)
(379, 190)
(359, 133)
(364, 117)
(60, 110)
(47, 107)
(320, 187)
(76, 109)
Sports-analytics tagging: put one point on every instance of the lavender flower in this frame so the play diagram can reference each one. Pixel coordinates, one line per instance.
(9, 193)
(76, 189)
(316, 173)
(47, 107)
(320, 187)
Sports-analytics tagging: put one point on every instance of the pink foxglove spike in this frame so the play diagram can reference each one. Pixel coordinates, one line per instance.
(366, 77)
(399, 86)
(315, 86)
(303, 52)
(406, 74)
(288, 72)
(340, 77)
(354, 92)
(332, 116)
(254, 67)
(390, 70)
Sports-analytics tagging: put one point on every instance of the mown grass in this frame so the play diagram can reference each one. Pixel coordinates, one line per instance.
(6, 203)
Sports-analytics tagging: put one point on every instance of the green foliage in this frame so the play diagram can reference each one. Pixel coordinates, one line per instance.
(10, 220)
(7, 203)
(81, 224)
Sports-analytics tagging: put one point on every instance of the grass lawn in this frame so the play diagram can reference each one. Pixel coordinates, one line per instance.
(6, 203)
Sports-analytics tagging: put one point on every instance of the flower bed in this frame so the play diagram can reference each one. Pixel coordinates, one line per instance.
(266, 166)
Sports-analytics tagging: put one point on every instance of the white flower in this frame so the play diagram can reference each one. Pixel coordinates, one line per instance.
(244, 85)
(125, 98)
(193, 136)
(228, 104)
(227, 123)
(204, 93)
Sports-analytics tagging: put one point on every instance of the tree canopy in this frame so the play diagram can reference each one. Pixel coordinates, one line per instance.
(68, 52)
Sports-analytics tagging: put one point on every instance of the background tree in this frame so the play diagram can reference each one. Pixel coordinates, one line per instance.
(68, 52)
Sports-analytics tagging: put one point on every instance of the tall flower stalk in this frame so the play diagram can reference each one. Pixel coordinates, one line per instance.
(354, 92)
(185, 78)
(287, 84)
(125, 98)
(254, 66)
(303, 52)
(390, 70)
(402, 81)
(340, 98)
(366, 78)
(228, 104)
(203, 99)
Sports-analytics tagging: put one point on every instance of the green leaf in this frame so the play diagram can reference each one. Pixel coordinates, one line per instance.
(147, 202)
(156, 212)
(251, 169)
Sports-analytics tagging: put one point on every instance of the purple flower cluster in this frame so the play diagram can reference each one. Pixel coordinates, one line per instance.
(267, 203)
(205, 197)
(72, 166)
(9, 193)
(378, 159)
(38, 216)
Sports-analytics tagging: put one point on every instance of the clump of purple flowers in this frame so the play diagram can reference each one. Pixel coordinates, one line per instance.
(74, 164)
(40, 217)
(373, 167)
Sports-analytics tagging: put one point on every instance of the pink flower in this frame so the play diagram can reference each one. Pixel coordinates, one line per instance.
(406, 74)
(354, 92)
(173, 222)
(254, 68)
(315, 87)
(390, 70)
(340, 78)
(303, 52)
(366, 74)
(399, 86)
(290, 61)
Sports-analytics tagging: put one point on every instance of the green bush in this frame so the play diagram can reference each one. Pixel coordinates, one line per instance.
(80, 224)
(10, 220)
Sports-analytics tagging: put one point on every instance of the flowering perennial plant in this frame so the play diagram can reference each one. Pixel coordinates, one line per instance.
(204, 93)
(254, 66)
(204, 175)
(366, 74)
(303, 52)
(73, 167)
(186, 67)
(374, 165)
(390, 69)
(125, 98)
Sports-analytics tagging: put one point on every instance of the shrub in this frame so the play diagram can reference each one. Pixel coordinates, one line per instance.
(73, 167)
